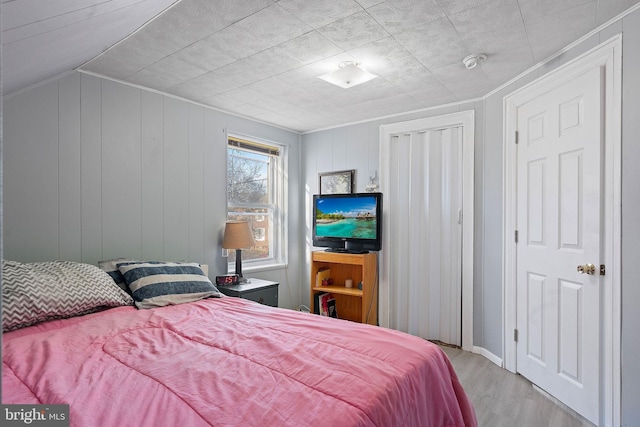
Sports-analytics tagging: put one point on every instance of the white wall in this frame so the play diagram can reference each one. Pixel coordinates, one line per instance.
(95, 169)
(353, 147)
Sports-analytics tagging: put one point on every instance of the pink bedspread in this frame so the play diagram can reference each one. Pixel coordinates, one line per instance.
(231, 362)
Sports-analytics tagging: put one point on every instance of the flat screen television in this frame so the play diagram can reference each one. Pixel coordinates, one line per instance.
(348, 222)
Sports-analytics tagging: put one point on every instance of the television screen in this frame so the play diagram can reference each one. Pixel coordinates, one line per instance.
(348, 222)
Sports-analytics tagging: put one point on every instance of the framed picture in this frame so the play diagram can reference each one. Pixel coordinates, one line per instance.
(340, 182)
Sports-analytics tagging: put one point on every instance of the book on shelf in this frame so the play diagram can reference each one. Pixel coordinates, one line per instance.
(325, 304)
(323, 274)
(316, 302)
(331, 307)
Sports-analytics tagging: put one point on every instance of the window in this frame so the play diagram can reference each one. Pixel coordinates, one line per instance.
(255, 193)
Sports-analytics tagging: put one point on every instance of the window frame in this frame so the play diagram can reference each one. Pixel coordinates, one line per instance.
(278, 229)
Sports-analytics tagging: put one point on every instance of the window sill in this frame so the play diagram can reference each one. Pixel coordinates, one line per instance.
(258, 268)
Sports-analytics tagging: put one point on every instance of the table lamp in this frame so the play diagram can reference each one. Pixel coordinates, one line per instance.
(238, 235)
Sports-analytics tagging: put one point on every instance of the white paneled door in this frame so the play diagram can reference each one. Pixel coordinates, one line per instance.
(559, 223)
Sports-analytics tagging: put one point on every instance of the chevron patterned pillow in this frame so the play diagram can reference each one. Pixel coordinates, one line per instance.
(41, 291)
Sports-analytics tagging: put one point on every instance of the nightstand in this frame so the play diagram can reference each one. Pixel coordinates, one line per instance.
(258, 290)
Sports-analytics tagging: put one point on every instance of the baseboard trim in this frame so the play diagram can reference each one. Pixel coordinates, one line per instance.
(486, 353)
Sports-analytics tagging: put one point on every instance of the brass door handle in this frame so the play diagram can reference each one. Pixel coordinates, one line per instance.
(587, 268)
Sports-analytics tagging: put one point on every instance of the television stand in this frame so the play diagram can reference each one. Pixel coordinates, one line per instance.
(347, 251)
(357, 305)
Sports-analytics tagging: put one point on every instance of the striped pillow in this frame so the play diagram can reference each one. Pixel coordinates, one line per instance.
(111, 268)
(157, 284)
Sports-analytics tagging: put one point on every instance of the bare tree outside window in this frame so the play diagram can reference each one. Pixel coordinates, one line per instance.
(247, 177)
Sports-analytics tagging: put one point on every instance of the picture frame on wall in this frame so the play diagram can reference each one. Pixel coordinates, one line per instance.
(339, 182)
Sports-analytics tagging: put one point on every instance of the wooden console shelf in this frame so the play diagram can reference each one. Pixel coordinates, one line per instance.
(351, 303)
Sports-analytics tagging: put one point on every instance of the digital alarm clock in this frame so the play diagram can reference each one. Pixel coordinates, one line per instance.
(227, 280)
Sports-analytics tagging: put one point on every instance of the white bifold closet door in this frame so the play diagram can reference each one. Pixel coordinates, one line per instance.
(425, 205)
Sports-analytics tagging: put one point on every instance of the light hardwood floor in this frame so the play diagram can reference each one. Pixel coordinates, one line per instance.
(502, 399)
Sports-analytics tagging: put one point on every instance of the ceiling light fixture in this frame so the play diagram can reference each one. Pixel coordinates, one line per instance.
(471, 61)
(349, 74)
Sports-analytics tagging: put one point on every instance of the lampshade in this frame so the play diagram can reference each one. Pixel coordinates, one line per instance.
(237, 235)
(348, 75)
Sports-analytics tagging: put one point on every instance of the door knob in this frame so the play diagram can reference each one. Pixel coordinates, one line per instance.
(587, 268)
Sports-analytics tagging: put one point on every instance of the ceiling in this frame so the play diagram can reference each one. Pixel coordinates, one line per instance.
(260, 59)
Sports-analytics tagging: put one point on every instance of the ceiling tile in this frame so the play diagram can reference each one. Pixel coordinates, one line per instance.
(456, 6)
(354, 31)
(219, 81)
(195, 19)
(310, 47)
(577, 19)
(381, 55)
(434, 101)
(390, 105)
(167, 72)
(170, 32)
(262, 30)
(456, 73)
(408, 73)
(223, 101)
(273, 24)
(275, 105)
(240, 73)
(425, 95)
(130, 57)
(474, 87)
(487, 18)
(252, 110)
(272, 61)
(541, 8)
(318, 13)
(237, 43)
(543, 50)
(518, 59)
(435, 44)
(401, 15)
(498, 40)
(277, 87)
(236, 10)
(311, 71)
(369, 3)
(201, 87)
(205, 53)
(503, 76)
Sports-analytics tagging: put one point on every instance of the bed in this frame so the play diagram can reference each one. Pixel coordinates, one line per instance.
(216, 360)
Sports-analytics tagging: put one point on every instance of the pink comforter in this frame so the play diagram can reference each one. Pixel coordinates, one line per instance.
(231, 362)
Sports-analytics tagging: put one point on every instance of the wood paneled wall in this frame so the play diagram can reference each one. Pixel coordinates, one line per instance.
(95, 169)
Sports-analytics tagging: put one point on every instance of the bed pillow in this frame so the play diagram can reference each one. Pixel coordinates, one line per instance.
(111, 268)
(157, 284)
(40, 291)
